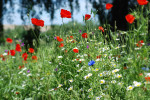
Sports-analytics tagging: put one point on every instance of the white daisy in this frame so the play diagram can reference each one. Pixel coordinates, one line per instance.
(130, 87)
(69, 89)
(102, 81)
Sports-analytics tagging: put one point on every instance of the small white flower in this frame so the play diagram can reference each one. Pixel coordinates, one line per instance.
(120, 83)
(147, 74)
(98, 98)
(51, 90)
(143, 34)
(137, 48)
(123, 52)
(117, 39)
(117, 47)
(13, 57)
(77, 55)
(63, 49)
(102, 81)
(130, 87)
(71, 80)
(113, 81)
(81, 56)
(24, 74)
(105, 55)
(105, 73)
(100, 43)
(42, 78)
(90, 74)
(4, 54)
(20, 72)
(89, 96)
(101, 74)
(147, 82)
(23, 85)
(76, 75)
(24, 69)
(77, 65)
(29, 75)
(129, 58)
(86, 77)
(115, 70)
(79, 70)
(103, 94)
(81, 60)
(98, 60)
(69, 89)
(89, 90)
(85, 55)
(60, 56)
(123, 46)
(60, 85)
(118, 75)
(106, 87)
(96, 69)
(137, 84)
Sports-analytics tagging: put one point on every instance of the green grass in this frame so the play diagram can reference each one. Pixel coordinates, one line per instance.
(49, 76)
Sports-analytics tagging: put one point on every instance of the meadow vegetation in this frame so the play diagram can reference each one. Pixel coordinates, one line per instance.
(79, 62)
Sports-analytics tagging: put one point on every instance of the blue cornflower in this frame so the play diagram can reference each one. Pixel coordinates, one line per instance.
(145, 68)
(91, 63)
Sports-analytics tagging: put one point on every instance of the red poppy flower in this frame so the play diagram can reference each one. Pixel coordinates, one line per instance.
(18, 47)
(84, 35)
(130, 18)
(12, 52)
(75, 50)
(108, 6)
(140, 74)
(65, 51)
(139, 44)
(71, 37)
(37, 22)
(101, 28)
(77, 59)
(61, 45)
(8, 53)
(21, 66)
(59, 39)
(142, 2)
(87, 16)
(25, 56)
(17, 92)
(1, 55)
(125, 67)
(9, 40)
(147, 78)
(98, 57)
(65, 14)
(34, 57)
(31, 50)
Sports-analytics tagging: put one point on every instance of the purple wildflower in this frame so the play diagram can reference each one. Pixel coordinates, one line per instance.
(19, 40)
(6, 50)
(87, 46)
(54, 37)
(79, 31)
(28, 71)
(22, 44)
(56, 69)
